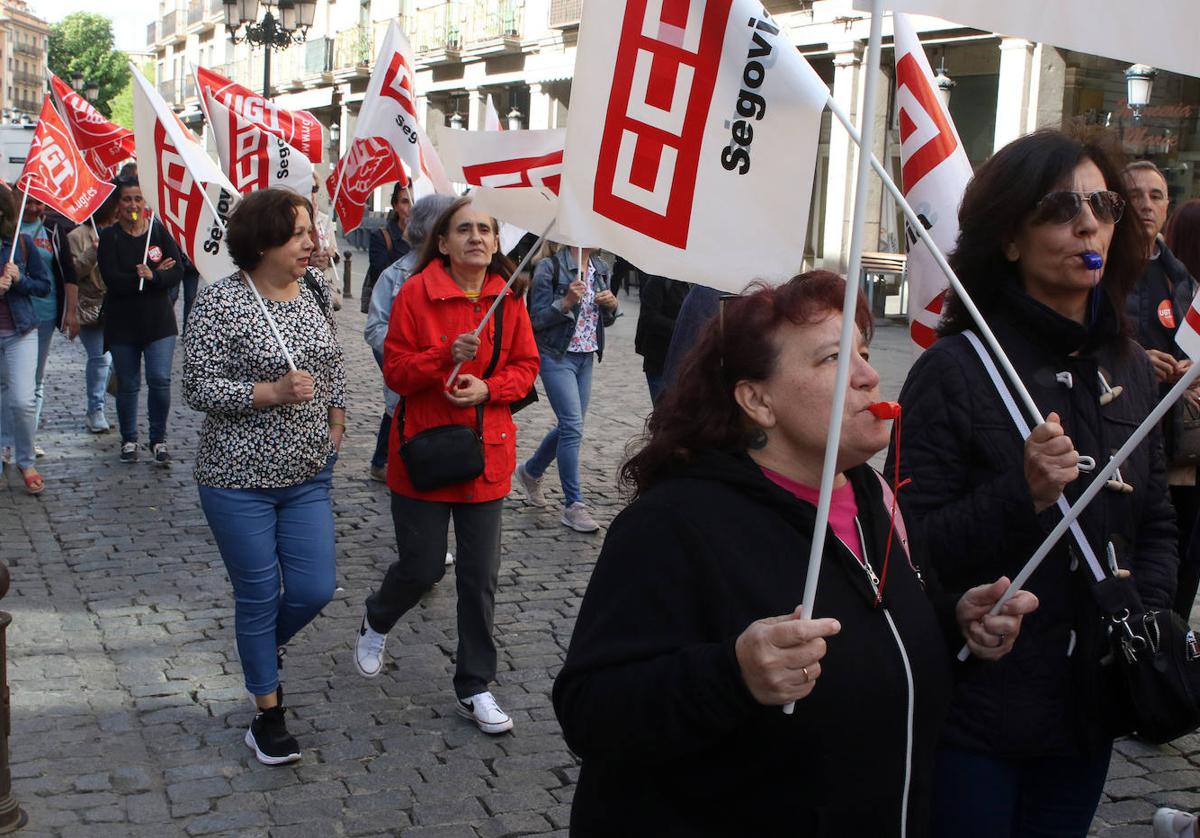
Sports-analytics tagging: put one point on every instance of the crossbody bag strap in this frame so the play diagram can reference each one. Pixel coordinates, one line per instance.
(1023, 429)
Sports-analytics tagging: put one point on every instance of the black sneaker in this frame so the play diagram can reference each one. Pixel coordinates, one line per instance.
(129, 452)
(270, 740)
(162, 457)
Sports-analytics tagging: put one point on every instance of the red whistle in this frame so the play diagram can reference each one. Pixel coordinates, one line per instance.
(885, 410)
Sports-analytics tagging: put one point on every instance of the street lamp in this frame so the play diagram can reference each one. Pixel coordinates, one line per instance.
(456, 120)
(1139, 82)
(92, 91)
(945, 85)
(272, 32)
(335, 134)
(514, 119)
(77, 81)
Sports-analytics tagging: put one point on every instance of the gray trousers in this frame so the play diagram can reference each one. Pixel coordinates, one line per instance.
(422, 529)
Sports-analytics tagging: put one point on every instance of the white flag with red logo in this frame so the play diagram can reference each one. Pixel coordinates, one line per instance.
(504, 159)
(1162, 32)
(299, 129)
(1188, 333)
(56, 173)
(190, 195)
(254, 159)
(935, 172)
(693, 150)
(104, 145)
(386, 134)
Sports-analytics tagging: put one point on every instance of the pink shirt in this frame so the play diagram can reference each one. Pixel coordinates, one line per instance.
(842, 508)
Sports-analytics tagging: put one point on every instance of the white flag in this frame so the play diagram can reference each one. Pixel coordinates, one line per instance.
(504, 159)
(935, 171)
(1188, 333)
(1163, 33)
(491, 117)
(692, 147)
(188, 192)
(254, 159)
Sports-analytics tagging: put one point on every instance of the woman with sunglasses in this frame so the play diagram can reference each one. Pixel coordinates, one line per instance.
(1048, 254)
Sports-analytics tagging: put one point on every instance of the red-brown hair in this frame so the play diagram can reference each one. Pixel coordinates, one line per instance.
(1183, 236)
(698, 411)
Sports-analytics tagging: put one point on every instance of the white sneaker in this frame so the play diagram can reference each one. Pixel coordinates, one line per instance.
(531, 486)
(97, 423)
(578, 518)
(1172, 823)
(449, 559)
(368, 650)
(485, 712)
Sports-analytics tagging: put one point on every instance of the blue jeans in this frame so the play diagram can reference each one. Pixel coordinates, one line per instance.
(45, 332)
(992, 797)
(18, 405)
(98, 364)
(657, 383)
(263, 534)
(127, 364)
(568, 386)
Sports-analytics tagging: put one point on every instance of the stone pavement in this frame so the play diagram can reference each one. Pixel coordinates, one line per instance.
(127, 703)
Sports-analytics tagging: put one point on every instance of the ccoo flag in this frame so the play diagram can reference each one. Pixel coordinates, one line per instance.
(935, 171)
(104, 145)
(55, 172)
(254, 159)
(700, 129)
(188, 192)
(1188, 333)
(299, 129)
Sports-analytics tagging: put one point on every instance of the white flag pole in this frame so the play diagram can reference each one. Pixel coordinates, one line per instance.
(500, 297)
(849, 306)
(287, 356)
(12, 254)
(146, 252)
(1097, 484)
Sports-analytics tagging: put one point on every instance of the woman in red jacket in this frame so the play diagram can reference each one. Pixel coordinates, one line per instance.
(457, 278)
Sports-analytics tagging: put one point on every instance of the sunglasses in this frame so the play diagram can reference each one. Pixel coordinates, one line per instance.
(1063, 207)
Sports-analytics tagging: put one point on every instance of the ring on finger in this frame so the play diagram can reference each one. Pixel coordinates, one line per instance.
(804, 672)
(1000, 640)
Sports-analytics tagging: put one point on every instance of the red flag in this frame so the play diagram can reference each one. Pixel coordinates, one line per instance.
(370, 162)
(299, 129)
(104, 145)
(56, 173)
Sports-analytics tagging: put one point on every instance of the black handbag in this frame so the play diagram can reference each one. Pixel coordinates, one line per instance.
(448, 454)
(1153, 666)
(532, 396)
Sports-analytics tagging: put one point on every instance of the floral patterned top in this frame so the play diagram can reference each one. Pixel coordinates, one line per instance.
(228, 347)
(584, 339)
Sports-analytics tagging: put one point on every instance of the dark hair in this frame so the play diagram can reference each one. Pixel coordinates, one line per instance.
(1183, 236)
(698, 411)
(500, 264)
(262, 220)
(123, 183)
(397, 191)
(129, 170)
(8, 212)
(108, 209)
(1003, 195)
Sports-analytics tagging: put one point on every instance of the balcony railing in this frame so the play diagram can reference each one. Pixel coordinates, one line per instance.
(438, 29)
(31, 79)
(26, 49)
(490, 20)
(352, 48)
(169, 90)
(32, 106)
(565, 13)
(167, 29)
(195, 12)
(216, 7)
(189, 87)
(238, 71)
(151, 33)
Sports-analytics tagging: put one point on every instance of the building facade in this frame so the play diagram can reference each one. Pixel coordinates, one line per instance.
(522, 53)
(24, 46)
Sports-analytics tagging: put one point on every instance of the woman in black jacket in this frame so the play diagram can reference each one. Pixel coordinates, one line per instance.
(387, 243)
(661, 299)
(1026, 747)
(139, 319)
(689, 638)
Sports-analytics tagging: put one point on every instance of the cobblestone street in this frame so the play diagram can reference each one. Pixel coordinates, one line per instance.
(128, 709)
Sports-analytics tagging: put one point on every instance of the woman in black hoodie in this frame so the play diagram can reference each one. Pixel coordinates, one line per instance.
(689, 639)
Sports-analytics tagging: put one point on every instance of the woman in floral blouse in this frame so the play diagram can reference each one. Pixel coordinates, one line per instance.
(262, 360)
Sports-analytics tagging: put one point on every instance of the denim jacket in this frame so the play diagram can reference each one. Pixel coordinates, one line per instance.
(553, 328)
(33, 283)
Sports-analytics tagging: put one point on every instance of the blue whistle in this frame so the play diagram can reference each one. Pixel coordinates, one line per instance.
(1092, 260)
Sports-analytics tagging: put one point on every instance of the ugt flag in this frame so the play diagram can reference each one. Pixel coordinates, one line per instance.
(55, 171)
(935, 171)
(104, 145)
(1162, 33)
(299, 129)
(190, 195)
(693, 153)
(254, 159)
(387, 127)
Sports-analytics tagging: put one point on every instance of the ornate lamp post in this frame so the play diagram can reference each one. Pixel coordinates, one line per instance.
(90, 89)
(288, 24)
(514, 119)
(945, 84)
